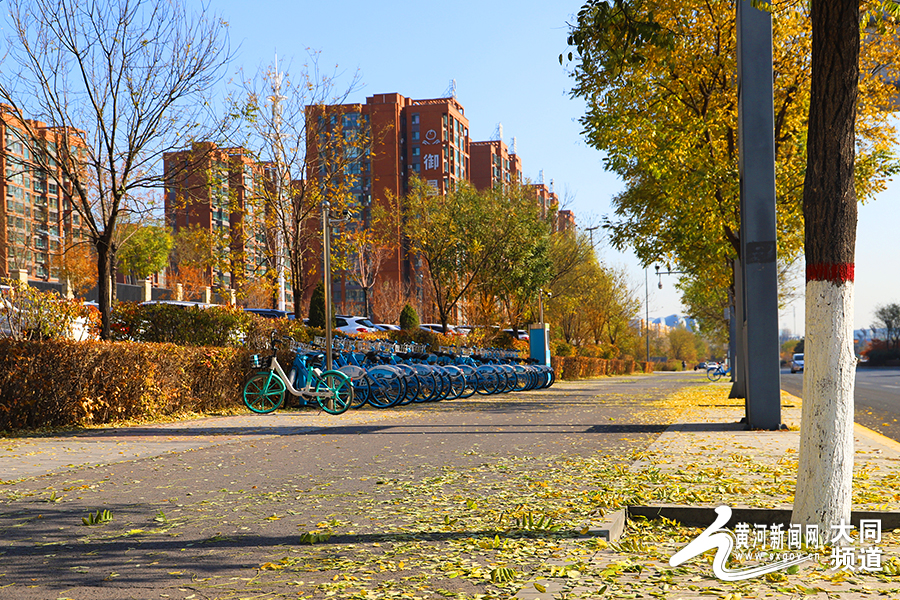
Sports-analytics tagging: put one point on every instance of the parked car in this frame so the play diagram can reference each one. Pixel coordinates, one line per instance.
(520, 334)
(181, 303)
(270, 313)
(706, 365)
(797, 363)
(387, 327)
(438, 328)
(350, 324)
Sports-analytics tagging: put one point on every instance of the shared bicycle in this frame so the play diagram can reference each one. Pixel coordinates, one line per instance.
(716, 373)
(264, 391)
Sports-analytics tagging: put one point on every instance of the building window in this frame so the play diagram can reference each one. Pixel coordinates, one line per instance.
(415, 135)
(415, 151)
(414, 119)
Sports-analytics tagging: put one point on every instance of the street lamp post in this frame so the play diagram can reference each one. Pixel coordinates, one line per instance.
(326, 245)
(647, 313)
(590, 231)
(327, 224)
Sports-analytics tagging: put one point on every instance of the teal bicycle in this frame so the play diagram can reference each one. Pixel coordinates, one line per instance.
(264, 391)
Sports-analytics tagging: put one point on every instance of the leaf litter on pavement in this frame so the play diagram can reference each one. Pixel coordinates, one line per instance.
(491, 529)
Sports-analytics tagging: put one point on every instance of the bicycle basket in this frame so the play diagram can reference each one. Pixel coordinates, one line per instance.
(257, 361)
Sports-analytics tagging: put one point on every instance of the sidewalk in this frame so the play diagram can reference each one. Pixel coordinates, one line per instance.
(34, 456)
(703, 438)
(394, 526)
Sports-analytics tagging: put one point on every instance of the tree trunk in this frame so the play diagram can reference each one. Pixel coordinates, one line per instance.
(103, 287)
(824, 479)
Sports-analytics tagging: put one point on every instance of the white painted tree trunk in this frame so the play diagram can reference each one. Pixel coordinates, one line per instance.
(825, 474)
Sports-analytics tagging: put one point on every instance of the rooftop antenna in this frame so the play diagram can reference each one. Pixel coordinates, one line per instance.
(551, 186)
(498, 133)
(541, 174)
(514, 151)
(451, 91)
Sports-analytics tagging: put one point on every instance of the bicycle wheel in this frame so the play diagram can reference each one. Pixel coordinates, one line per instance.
(714, 374)
(386, 387)
(264, 392)
(341, 396)
(429, 387)
(489, 380)
(470, 379)
(457, 381)
(360, 384)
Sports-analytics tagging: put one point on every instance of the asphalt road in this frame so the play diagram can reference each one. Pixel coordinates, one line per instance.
(207, 521)
(877, 397)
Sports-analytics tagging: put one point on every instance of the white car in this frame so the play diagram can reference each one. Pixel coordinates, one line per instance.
(521, 334)
(438, 328)
(797, 363)
(353, 325)
(387, 327)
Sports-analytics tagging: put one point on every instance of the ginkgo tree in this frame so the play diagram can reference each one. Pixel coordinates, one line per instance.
(660, 83)
(496, 239)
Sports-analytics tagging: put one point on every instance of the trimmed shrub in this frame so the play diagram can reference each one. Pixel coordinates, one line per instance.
(409, 319)
(317, 307)
(186, 326)
(28, 313)
(60, 383)
(581, 367)
(564, 349)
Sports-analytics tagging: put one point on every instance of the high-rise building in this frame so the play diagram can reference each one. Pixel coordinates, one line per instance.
(425, 138)
(493, 163)
(546, 197)
(215, 189)
(38, 221)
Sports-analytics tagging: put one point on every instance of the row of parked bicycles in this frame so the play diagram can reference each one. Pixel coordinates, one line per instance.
(384, 374)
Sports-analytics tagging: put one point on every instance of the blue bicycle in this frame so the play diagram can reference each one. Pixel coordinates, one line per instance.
(716, 373)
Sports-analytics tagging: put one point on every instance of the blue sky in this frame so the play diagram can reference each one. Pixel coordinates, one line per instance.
(504, 58)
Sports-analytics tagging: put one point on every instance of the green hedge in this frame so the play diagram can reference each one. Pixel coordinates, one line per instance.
(59, 383)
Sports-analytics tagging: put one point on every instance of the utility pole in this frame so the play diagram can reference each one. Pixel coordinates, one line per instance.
(758, 317)
(279, 178)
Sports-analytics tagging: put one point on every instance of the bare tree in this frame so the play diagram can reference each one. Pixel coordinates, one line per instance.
(888, 315)
(124, 79)
(314, 149)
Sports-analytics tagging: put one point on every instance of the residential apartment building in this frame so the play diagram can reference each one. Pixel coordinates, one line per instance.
(494, 164)
(426, 138)
(216, 189)
(38, 221)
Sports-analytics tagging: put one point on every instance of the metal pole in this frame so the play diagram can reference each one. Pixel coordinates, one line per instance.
(541, 305)
(326, 244)
(647, 308)
(279, 180)
(756, 141)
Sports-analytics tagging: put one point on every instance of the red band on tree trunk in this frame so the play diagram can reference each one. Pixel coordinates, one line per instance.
(836, 273)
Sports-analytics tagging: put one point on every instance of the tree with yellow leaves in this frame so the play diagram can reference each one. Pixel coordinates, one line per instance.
(661, 89)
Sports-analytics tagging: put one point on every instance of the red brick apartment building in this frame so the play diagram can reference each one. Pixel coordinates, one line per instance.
(493, 164)
(426, 138)
(37, 218)
(216, 189)
(429, 139)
